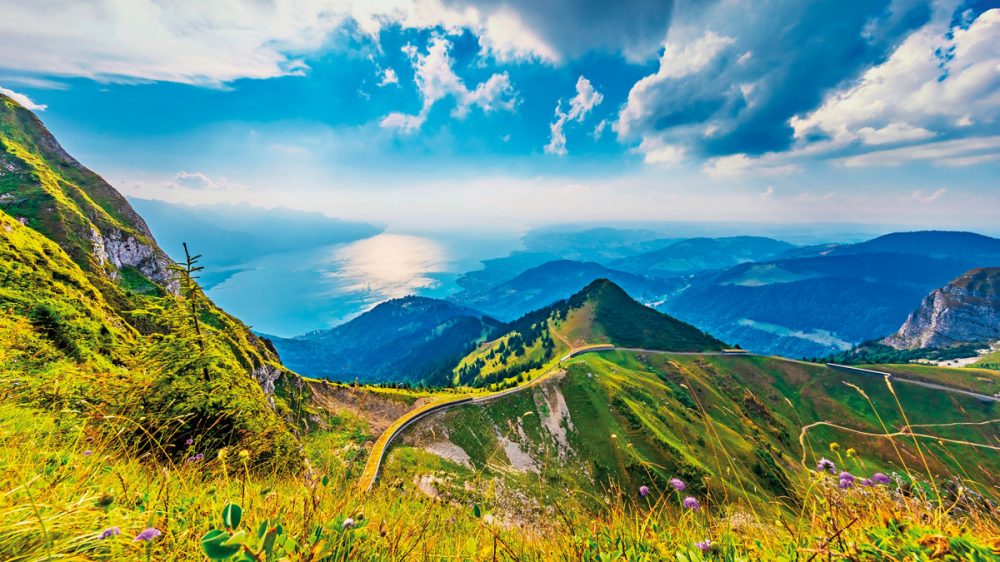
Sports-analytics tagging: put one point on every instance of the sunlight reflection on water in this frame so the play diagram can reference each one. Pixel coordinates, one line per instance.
(388, 266)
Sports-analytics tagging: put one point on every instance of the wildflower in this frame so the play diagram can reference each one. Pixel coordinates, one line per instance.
(846, 484)
(643, 491)
(834, 447)
(348, 523)
(109, 532)
(147, 534)
(880, 478)
(846, 476)
(222, 453)
(851, 453)
(867, 482)
(825, 465)
(195, 458)
(189, 441)
(677, 484)
(704, 546)
(244, 454)
(87, 453)
(691, 503)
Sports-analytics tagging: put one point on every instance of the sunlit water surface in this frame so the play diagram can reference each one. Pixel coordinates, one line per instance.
(296, 292)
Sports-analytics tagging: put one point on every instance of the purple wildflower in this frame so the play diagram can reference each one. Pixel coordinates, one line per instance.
(348, 523)
(846, 484)
(189, 442)
(704, 546)
(643, 491)
(195, 458)
(691, 503)
(846, 476)
(87, 453)
(867, 482)
(147, 534)
(678, 484)
(826, 465)
(109, 532)
(880, 478)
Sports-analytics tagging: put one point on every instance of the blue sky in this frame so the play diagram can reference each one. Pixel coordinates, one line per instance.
(506, 115)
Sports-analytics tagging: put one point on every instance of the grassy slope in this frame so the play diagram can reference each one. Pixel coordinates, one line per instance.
(635, 421)
(601, 313)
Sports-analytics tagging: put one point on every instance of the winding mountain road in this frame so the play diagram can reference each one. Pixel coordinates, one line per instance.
(373, 467)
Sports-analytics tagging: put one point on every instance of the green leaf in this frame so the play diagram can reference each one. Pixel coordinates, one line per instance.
(216, 545)
(232, 514)
(326, 480)
(476, 511)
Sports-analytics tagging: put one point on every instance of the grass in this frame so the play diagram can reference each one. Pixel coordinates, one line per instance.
(983, 381)
(63, 483)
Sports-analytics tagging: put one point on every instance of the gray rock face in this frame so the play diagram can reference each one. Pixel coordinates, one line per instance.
(267, 375)
(120, 250)
(967, 310)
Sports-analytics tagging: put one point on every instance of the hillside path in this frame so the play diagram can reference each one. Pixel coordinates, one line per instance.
(894, 378)
(373, 467)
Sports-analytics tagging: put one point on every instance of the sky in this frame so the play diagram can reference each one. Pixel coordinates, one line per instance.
(504, 115)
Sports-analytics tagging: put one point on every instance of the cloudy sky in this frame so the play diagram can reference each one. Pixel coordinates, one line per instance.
(507, 114)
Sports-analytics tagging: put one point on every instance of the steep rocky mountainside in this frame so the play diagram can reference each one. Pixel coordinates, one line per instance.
(967, 310)
(412, 339)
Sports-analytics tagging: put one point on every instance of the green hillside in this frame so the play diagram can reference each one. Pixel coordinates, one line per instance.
(730, 427)
(96, 318)
(601, 313)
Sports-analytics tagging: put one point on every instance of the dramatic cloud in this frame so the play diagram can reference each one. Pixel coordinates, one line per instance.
(583, 102)
(436, 80)
(734, 73)
(22, 99)
(941, 83)
(218, 42)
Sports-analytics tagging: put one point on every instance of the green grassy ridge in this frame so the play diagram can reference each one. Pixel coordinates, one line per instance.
(600, 313)
(637, 419)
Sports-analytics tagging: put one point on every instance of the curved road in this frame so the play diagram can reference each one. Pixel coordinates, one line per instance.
(374, 465)
(377, 456)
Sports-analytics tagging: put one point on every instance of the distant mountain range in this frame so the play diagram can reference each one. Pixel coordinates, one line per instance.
(555, 280)
(702, 254)
(412, 339)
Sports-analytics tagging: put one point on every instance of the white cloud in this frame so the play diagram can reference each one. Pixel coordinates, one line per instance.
(740, 164)
(216, 42)
(678, 60)
(939, 80)
(893, 133)
(655, 151)
(922, 197)
(388, 77)
(585, 100)
(23, 100)
(436, 80)
(200, 182)
(958, 152)
(767, 194)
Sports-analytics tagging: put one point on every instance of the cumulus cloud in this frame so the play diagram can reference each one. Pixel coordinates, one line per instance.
(733, 88)
(942, 81)
(22, 99)
(168, 41)
(436, 79)
(585, 100)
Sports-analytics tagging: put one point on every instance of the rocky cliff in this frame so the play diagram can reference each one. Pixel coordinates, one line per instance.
(966, 310)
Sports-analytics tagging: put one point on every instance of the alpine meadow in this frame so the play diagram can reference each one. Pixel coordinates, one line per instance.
(431, 280)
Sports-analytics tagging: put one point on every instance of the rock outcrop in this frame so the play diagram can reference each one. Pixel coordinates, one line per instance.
(967, 310)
